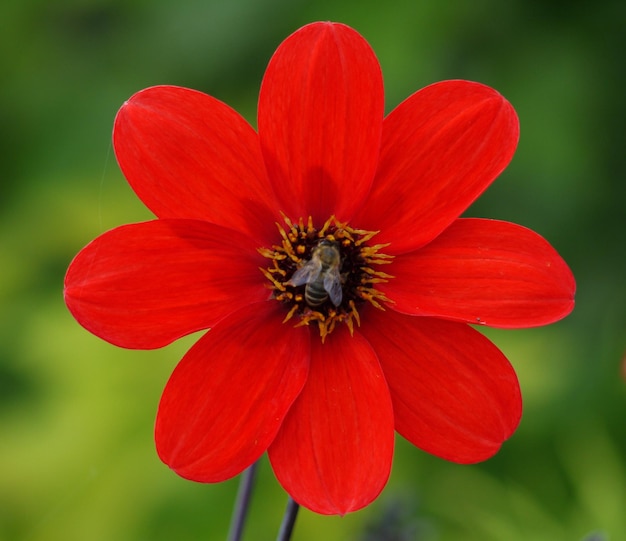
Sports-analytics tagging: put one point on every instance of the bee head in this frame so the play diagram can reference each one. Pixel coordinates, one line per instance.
(328, 252)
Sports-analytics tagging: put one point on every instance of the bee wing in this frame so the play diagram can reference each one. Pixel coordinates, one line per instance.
(332, 285)
(306, 274)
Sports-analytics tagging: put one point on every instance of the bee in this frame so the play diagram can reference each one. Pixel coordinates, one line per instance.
(321, 275)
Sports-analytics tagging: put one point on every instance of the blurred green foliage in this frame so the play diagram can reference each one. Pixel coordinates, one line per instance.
(76, 452)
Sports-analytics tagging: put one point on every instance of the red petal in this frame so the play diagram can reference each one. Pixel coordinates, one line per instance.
(143, 285)
(320, 120)
(228, 396)
(334, 452)
(441, 148)
(454, 393)
(188, 155)
(484, 271)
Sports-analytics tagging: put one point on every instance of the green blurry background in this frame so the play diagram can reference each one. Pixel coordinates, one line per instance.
(77, 460)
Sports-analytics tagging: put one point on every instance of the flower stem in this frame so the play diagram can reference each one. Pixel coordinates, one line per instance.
(241, 503)
(284, 534)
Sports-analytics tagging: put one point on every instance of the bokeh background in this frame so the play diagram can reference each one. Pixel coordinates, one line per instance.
(77, 458)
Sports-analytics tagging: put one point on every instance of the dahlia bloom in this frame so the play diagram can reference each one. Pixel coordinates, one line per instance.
(326, 255)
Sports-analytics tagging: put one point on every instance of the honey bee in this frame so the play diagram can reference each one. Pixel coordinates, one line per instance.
(321, 275)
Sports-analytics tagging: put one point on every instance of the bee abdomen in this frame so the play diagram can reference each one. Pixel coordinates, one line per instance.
(315, 294)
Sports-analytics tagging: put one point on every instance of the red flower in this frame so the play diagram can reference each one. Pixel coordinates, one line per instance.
(372, 334)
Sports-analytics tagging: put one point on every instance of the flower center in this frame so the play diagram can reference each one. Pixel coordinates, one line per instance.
(325, 276)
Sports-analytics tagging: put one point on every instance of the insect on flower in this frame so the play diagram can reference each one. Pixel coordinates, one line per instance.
(321, 275)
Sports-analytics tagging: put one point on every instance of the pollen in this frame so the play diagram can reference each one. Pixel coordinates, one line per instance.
(325, 276)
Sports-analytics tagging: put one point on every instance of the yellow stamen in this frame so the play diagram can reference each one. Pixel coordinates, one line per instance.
(356, 271)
